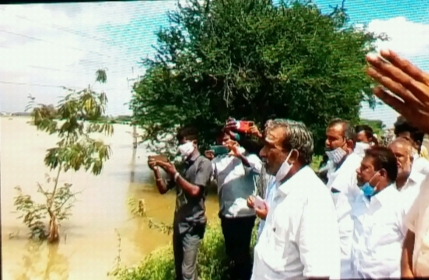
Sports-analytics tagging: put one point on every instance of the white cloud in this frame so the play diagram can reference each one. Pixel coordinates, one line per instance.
(408, 38)
(60, 45)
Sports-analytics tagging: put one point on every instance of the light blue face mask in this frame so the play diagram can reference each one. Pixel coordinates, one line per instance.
(368, 189)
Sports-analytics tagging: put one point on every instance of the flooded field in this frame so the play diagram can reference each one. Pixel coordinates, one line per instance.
(89, 243)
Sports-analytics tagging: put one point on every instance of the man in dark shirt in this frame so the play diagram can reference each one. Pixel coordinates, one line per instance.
(189, 217)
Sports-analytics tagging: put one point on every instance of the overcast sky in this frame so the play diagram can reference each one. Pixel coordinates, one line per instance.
(45, 46)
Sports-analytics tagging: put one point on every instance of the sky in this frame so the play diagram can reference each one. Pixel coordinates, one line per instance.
(46, 46)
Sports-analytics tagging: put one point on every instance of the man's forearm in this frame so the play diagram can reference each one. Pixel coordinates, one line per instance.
(407, 255)
(160, 183)
(189, 188)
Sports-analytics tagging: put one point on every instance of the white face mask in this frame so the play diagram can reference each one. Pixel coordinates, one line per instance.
(186, 149)
(284, 169)
(361, 147)
(336, 155)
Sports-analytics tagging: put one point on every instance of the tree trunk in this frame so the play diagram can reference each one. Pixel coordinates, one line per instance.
(54, 232)
(135, 137)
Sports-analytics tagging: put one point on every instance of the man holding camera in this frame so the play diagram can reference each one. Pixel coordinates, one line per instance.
(189, 217)
(233, 173)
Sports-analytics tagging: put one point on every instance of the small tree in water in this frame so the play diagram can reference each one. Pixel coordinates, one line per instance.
(73, 120)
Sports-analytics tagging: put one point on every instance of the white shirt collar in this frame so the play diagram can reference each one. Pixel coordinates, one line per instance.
(384, 196)
(287, 186)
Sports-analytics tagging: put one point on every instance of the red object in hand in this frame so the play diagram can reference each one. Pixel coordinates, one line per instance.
(244, 126)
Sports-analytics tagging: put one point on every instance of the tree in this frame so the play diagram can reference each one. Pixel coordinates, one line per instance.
(253, 60)
(73, 120)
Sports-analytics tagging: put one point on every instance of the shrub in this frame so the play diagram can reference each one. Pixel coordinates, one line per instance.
(160, 263)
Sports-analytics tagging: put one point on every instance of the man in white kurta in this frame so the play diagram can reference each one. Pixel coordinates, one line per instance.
(378, 215)
(342, 182)
(409, 180)
(415, 258)
(300, 238)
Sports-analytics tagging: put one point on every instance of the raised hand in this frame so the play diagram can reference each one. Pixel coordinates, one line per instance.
(408, 86)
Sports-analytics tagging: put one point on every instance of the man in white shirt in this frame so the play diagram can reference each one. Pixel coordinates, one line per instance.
(342, 182)
(408, 181)
(340, 143)
(415, 252)
(300, 238)
(405, 130)
(234, 174)
(378, 215)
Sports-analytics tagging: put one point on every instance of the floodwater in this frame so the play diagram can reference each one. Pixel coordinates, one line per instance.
(89, 239)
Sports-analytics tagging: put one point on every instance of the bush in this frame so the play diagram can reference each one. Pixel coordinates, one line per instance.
(160, 263)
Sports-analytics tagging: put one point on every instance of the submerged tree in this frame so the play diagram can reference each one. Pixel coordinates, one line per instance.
(72, 122)
(256, 60)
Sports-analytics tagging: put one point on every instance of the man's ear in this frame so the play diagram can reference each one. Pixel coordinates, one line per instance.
(350, 145)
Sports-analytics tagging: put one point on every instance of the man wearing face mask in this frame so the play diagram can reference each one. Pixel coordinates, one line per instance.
(342, 163)
(189, 217)
(405, 130)
(364, 139)
(340, 143)
(378, 215)
(300, 237)
(407, 182)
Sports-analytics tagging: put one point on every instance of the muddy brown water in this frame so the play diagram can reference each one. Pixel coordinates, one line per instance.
(89, 243)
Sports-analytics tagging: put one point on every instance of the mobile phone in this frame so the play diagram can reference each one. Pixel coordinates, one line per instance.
(159, 158)
(259, 202)
(219, 150)
(244, 126)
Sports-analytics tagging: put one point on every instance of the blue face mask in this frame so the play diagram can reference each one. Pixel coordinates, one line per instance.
(368, 190)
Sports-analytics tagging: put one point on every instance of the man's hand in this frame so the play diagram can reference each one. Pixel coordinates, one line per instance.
(251, 202)
(152, 163)
(209, 154)
(254, 130)
(408, 84)
(233, 146)
(262, 212)
(167, 166)
(231, 125)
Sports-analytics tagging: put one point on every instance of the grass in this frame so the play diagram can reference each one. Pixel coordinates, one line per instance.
(160, 264)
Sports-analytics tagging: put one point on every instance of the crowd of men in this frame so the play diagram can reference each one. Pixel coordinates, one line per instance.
(363, 214)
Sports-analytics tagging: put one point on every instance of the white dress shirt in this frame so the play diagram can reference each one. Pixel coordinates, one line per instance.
(344, 178)
(300, 237)
(345, 226)
(378, 234)
(235, 183)
(411, 189)
(417, 221)
(421, 165)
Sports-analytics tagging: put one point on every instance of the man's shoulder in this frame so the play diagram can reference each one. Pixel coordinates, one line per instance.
(203, 160)
(352, 160)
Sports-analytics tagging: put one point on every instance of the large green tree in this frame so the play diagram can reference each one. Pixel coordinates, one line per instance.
(253, 60)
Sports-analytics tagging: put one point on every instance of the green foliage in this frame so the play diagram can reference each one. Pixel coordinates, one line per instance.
(33, 213)
(255, 60)
(160, 263)
(71, 120)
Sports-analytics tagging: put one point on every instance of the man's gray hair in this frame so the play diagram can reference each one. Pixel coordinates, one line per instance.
(348, 129)
(298, 137)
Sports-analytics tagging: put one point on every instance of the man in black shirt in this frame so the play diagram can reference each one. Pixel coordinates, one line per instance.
(189, 217)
